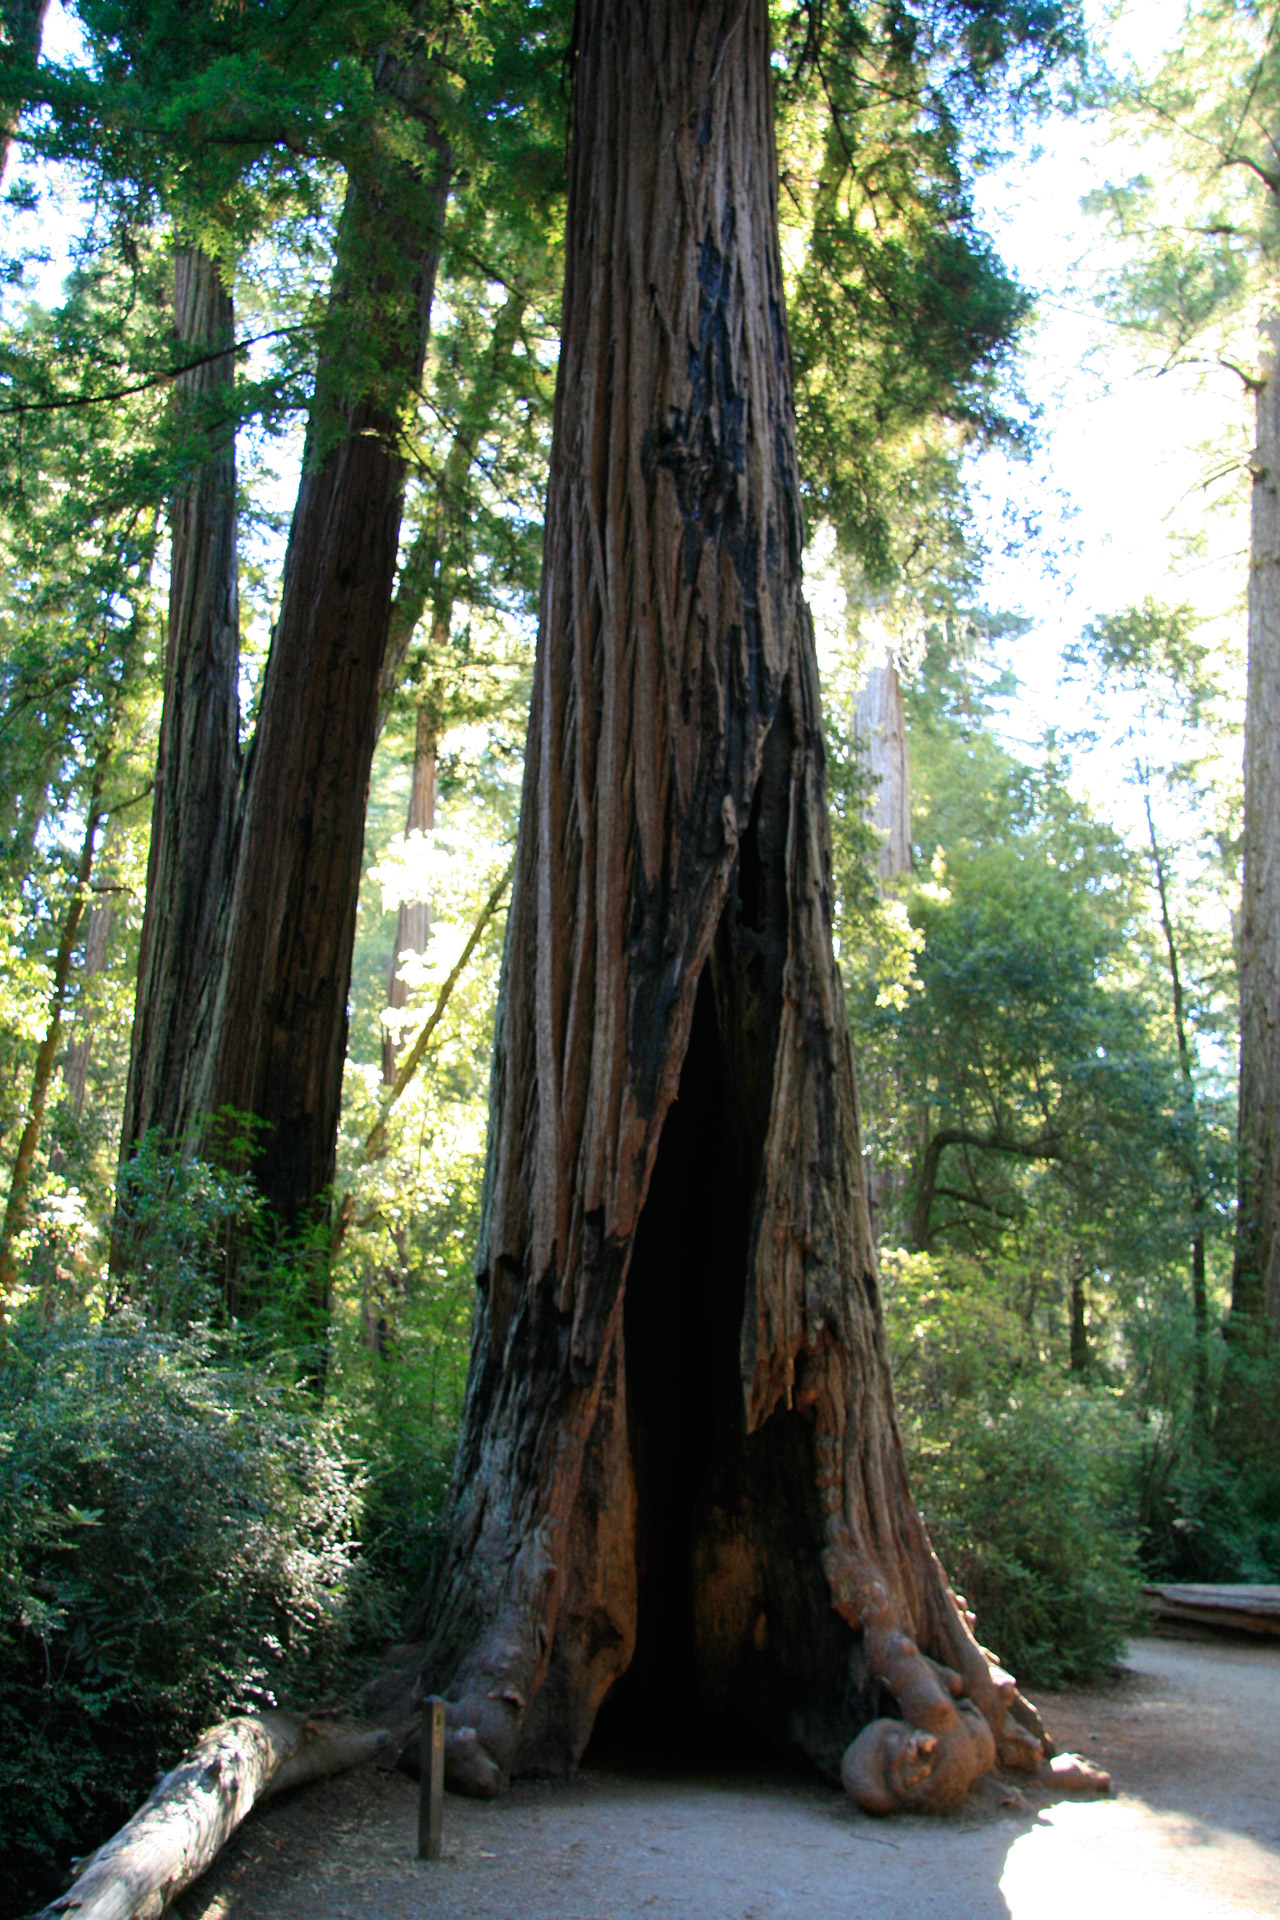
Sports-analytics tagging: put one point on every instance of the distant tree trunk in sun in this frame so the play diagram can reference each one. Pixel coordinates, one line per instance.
(680, 1485)
(1255, 1291)
(413, 922)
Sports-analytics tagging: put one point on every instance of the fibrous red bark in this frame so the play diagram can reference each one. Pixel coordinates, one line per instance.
(680, 1474)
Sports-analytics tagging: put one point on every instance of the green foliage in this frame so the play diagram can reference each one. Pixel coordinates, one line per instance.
(178, 1540)
(1025, 1481)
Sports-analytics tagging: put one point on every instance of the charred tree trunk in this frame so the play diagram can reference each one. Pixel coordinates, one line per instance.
(193, 814)
(1255, 1288)
(278, 1011)
(680, 1468)
(413, 923)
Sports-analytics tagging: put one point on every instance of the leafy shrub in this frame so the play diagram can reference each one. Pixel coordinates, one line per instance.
(1025, 1479)
(1029, 1511)
(177, 1541)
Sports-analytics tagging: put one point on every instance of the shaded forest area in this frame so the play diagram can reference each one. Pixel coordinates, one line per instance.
(261, 760)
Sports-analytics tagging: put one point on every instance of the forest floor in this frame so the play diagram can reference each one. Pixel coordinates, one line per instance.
(1190, 1733)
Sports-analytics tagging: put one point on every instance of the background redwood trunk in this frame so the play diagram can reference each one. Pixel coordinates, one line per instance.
(1255, 1295)
(193, 813)
(278, 1016)
(680, 1470)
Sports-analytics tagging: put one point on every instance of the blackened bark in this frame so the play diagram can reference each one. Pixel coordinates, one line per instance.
(1255, 1287)
(679, 1451)
(193, 815)
(278, 1015)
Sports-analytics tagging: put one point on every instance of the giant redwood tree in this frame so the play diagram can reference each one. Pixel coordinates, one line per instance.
(680, 1470)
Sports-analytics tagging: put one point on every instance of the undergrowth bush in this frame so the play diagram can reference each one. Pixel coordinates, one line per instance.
(1026, 1480)
(178, 1540)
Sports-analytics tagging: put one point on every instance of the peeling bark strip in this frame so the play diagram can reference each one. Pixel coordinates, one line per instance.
(197, 777)
(680, 1473)
(179, 1831)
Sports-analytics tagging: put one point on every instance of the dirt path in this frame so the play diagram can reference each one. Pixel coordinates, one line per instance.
(1191, 1734)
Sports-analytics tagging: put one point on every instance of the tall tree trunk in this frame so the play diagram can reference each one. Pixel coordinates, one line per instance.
(413, 923)
(1255, 1287)
(278, 1011)
(22, 22)
(193, 813)
(15, 1216)
(680, 1478)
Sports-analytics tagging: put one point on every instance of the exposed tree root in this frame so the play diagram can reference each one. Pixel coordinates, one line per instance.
(184, 1824)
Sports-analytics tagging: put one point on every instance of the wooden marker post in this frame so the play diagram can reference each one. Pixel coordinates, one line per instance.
(431, 1801)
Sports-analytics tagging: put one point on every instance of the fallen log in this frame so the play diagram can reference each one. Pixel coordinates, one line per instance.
(192, 1812)
(1246, 1609)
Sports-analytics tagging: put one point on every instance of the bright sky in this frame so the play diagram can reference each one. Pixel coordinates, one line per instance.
(1121, 471)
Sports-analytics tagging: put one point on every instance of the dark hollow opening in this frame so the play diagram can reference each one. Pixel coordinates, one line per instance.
(736, 1640)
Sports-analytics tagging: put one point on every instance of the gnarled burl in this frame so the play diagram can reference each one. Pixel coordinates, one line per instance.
(680, 1478)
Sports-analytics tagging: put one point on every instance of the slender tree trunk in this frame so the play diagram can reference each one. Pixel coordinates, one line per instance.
(193, 814)
(15, 1216)
(427, 577)
(97, 945)
(1079, 1332)
(413, 923)
(278, 1011)
(23, 28)
(680, 1479)
(1255, 1287)
(1193, 1165)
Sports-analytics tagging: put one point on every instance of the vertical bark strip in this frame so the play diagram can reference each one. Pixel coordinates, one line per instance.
(1255, 1291)
(679, 1450)
(197, 778)
(278, 1014)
